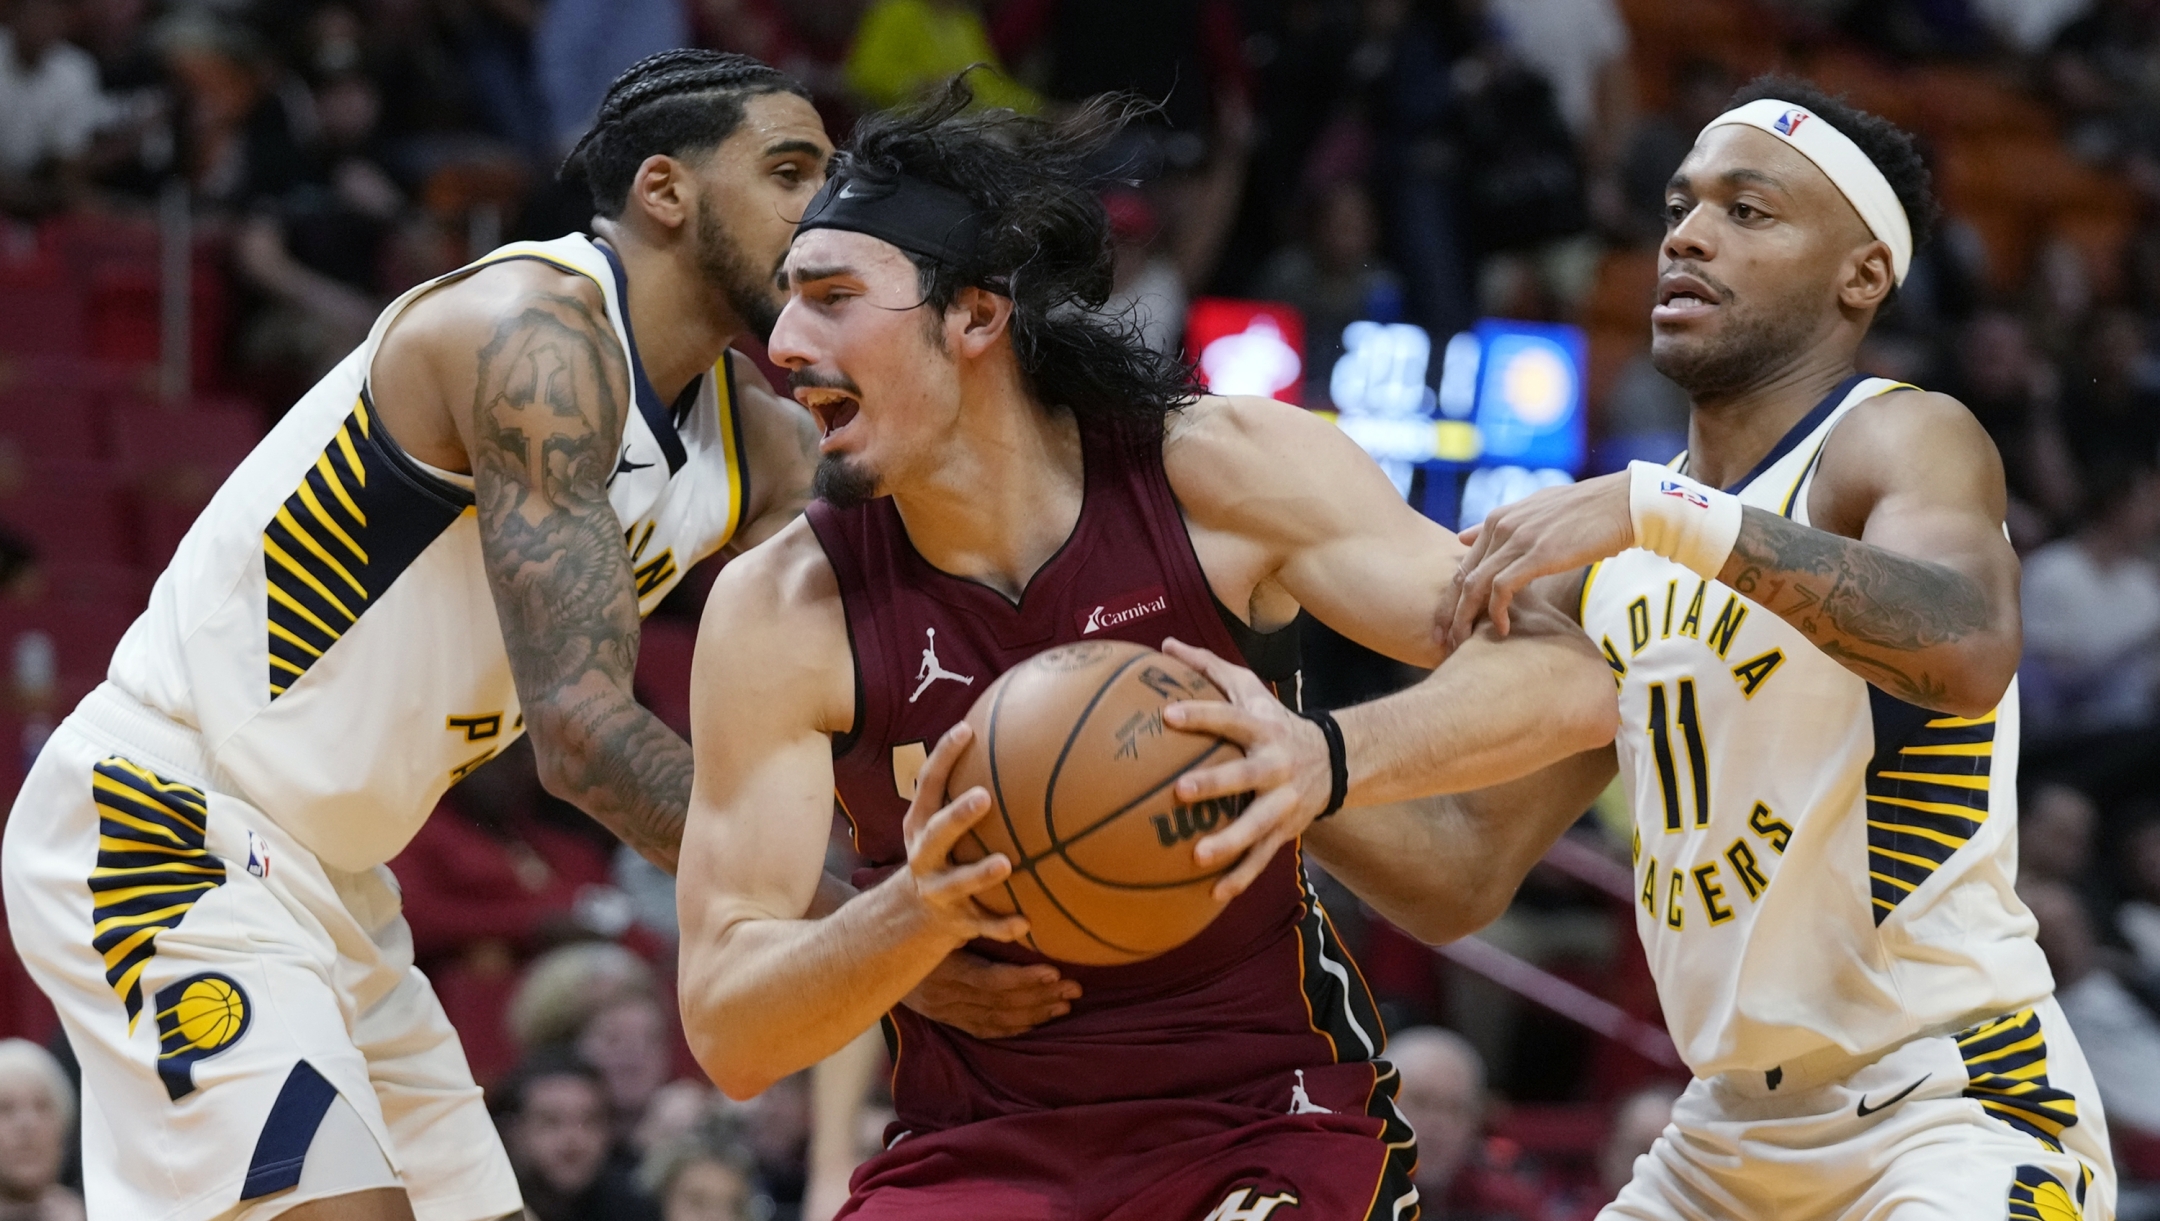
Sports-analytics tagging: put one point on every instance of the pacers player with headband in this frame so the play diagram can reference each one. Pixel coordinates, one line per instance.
(1811, 618)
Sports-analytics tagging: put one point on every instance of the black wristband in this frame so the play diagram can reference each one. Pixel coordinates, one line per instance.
(1338, 762)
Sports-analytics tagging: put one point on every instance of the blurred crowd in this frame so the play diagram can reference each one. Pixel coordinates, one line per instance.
(1428, 161)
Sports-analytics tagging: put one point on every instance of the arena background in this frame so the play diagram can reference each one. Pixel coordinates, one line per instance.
(1354, 204)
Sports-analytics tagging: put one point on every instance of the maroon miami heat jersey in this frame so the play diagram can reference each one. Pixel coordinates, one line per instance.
(1263, 1011)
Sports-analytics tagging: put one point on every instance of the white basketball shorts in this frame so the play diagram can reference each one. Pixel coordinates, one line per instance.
(1998, 1121)
(223, 988)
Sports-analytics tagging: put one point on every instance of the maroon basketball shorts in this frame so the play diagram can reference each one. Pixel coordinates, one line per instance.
(1155, 1160)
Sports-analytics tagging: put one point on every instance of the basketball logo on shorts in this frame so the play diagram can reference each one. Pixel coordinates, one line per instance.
(197, 1018)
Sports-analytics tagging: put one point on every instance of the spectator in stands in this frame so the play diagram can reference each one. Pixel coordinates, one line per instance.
(37, 1119)
(1189, 56)
(2115, 1021)
(707, 1174)
(2002, 378)
(2055, 834)
(1580, 47)
(49, 107)
(629, 1041)
(1145, 285)
(2092, 610)
(1637, 1122)
(239, 135)
(1443, 1097)
(905, 48)
(2138, 919)
(579, 46)
(553, 1114)
(1334, 276)
(2111, 398)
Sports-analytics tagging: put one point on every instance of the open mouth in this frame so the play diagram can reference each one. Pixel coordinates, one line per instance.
(1683, 296)
(834, 409)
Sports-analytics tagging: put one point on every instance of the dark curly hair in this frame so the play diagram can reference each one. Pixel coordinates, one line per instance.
(1045, 241)
(1890, 147)
(675, 103)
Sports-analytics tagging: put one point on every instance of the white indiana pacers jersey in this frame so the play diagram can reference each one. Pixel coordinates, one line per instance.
(327, 627)
(1816, 862)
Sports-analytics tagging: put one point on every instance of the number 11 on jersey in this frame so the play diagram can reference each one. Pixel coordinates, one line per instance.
(1661, 746)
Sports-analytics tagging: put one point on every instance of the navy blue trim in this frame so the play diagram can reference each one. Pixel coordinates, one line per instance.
(657, 415)
(1798, 432)
(282, 1148)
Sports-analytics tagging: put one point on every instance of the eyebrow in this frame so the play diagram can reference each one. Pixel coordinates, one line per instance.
(803, 275)
(1681, 182)
(794, 146)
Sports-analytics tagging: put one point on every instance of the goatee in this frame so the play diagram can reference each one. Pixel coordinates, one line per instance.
(844, 483)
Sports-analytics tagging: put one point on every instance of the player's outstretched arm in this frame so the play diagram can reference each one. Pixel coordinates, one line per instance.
(765, 990)
(550, 394)
(1441, 868)
(1326, 531)
(1906, 578)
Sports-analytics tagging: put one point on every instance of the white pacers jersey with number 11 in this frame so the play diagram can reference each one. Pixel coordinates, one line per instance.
(1816, 862)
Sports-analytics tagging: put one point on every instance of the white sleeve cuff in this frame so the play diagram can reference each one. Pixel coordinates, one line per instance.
(1692, 524)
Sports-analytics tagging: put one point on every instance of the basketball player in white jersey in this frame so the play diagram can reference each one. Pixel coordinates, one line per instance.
(1811, 618)
(449, 541)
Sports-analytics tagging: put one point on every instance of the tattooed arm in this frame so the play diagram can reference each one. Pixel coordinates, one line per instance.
(1905, 577)
(550, 397)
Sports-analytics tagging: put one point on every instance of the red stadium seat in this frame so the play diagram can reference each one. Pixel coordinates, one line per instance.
(51, 420)
(73, 512)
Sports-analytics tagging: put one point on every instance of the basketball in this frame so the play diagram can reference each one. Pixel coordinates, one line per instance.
(1072, 749)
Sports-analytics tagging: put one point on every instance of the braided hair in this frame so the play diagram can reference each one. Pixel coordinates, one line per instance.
(670, 104)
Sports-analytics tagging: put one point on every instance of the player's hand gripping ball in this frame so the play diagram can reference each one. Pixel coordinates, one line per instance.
(1072, 748)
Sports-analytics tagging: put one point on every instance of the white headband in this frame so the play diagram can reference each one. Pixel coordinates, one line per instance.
(1848, 169)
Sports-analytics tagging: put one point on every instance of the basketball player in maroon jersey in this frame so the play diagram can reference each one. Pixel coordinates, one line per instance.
(1004, 470)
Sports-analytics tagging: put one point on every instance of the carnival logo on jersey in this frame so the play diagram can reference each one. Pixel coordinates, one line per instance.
(1124, 609)
(1790, 122)
(1684, 492)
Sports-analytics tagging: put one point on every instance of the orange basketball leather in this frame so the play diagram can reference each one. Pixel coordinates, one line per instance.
(1079, 765)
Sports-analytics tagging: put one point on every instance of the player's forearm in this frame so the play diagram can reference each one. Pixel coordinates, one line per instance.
(1497, 710)
(768, 998)
(612, 758)
(1440, 868)
(1924, 632)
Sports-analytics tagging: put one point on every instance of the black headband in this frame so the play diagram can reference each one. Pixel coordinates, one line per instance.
(918, 217)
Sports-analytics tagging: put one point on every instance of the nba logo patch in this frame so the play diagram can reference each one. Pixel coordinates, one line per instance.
(258, 862)
(1686, 493)
(1790, 122)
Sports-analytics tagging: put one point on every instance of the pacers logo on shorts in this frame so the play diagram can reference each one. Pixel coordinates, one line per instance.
(197, 1018)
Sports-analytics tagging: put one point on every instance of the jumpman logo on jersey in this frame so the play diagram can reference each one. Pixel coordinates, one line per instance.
(931, 671)
(1301, 1103)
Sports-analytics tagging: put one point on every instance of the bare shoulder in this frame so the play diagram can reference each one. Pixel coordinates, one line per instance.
(458, 318)
(1914, 443)
(774, 637)
(780, 442)
(1229, 457)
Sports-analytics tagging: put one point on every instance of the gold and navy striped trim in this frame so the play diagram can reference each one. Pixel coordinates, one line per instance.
(731, 445)
(2036, 1195)
(151, 868)
(2006, 1073)
(361, 515)
(1925, 804)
